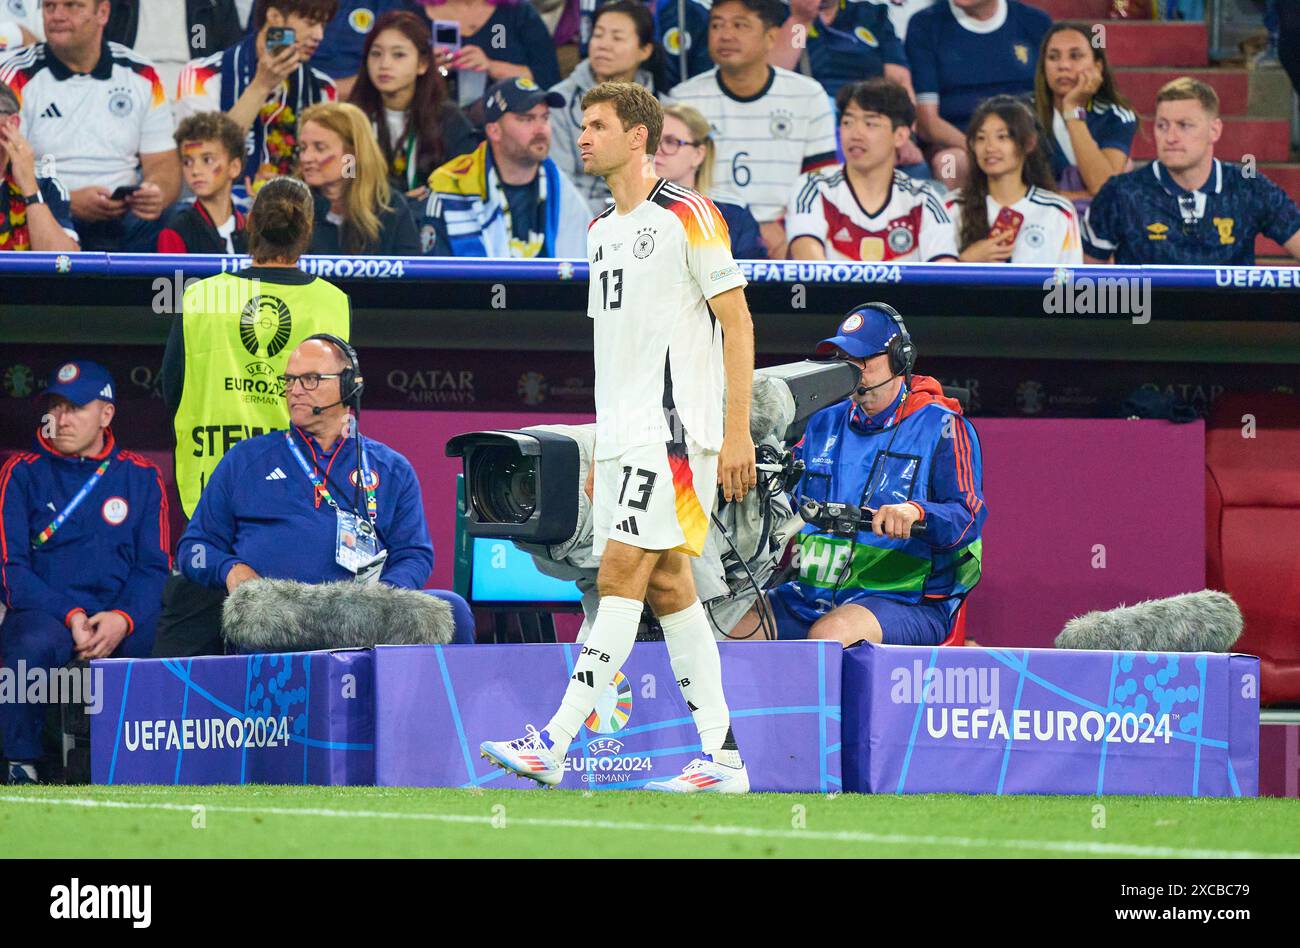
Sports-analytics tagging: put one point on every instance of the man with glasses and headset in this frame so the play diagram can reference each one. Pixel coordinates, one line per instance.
(290, 504)
(226, 352)
(1188, 207)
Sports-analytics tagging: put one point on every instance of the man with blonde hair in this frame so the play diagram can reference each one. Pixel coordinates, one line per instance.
(671, 326)
(1188, 207)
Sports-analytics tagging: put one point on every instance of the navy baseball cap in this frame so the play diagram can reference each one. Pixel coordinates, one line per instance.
(81, 382)
(516, 95)
(864, 333)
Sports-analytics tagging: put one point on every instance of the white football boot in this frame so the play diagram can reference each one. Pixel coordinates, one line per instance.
(528, 756)
(705, 776)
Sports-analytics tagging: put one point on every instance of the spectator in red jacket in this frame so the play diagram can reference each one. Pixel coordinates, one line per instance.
(211, 147)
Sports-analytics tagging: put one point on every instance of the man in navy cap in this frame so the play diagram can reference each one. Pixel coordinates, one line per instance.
(84, 548)
(904, 453)
(507, 198)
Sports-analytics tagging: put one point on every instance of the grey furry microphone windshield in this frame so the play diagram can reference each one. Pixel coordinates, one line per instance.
(1205, 621)
(280, 615)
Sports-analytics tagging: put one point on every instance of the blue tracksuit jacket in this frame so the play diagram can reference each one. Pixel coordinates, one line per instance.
(112, 553)
(259, 509)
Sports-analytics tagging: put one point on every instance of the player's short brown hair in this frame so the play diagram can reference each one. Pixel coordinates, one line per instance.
(634, 105)
(1187, 87)
(212, 127)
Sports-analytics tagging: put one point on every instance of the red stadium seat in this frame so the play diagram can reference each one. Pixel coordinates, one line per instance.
(958, 634)
(1253, 529)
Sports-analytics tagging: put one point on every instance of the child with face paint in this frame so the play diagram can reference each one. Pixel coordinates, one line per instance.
(211, 148)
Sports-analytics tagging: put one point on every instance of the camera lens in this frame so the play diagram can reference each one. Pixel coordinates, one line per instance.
(504, 489)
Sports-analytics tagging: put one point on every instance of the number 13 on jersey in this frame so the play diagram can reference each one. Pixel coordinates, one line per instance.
(611, 288)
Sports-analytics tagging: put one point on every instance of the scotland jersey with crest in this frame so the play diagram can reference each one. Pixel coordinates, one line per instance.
(1145, 217)
(658, 347)
(912, 224)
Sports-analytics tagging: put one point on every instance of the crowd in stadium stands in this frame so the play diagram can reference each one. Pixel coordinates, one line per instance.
(849, 130)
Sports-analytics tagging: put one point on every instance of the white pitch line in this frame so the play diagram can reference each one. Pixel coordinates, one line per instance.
(695, 829)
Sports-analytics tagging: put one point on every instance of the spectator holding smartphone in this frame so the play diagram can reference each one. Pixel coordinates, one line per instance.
(1092, 125)
(1008, 212)
(211, 147)
(100, 113)
(356, 210)
(34, 212)
(961, 52)
(499, 39)
(264, 83)
(405, 98)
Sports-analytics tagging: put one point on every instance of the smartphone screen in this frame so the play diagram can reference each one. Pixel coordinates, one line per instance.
(446, 35)
(1008, 221)
(279, 37)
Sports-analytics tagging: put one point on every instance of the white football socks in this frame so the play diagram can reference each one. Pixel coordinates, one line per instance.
(698, 668)
(603, 654)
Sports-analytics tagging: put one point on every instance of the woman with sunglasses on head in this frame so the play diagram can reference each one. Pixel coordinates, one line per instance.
(1091, 123)
(1007, 213)
(405, 97)
(685, 157)
(621, 50)
(225, 351)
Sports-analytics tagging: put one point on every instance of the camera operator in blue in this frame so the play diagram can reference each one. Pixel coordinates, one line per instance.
(84, 548)
(904, 453)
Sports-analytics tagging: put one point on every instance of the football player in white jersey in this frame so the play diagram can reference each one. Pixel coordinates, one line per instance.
(671, 325)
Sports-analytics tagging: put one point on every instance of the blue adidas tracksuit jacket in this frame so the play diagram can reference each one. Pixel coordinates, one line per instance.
(259, 508)
(111, 554)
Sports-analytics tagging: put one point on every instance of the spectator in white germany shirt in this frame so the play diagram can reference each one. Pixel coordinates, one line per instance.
(1007, 213)
(100, 113)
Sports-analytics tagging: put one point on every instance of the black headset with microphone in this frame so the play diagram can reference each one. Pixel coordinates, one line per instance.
(351, 382)
(901, 350)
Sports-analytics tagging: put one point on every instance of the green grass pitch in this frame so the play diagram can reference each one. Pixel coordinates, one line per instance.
(79, 822)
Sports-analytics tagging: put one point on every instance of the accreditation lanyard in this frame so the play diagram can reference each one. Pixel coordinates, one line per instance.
(322, 492)
(43, 537)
